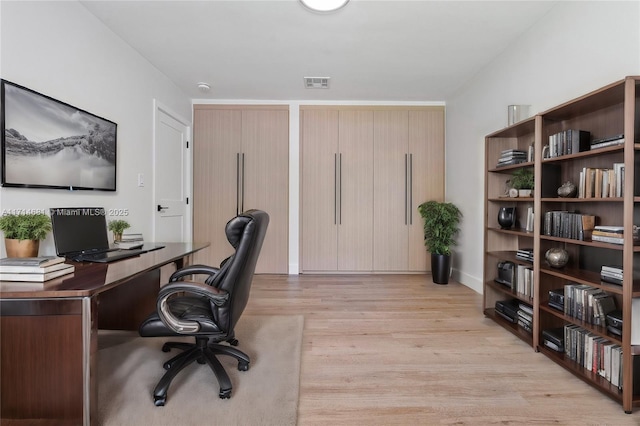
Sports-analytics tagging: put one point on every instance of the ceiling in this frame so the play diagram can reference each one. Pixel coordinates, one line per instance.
(372, 50)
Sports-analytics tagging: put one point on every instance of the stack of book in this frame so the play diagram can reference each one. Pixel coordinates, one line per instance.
(130, 241)
(525, 317)
(525, 254)
(38, 269)
(512, 156)
(611, 274)
(613, 234)
(609, 141)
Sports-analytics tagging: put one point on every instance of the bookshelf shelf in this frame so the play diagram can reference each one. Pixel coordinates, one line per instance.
(604, 113)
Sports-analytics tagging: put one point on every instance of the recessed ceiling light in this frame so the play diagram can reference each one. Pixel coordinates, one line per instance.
(204, 87)
(324, 5)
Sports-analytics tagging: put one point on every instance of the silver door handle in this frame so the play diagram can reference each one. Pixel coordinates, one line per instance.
(410, 189)
(335, 188)
(340, 193)
(406, 186)
(242, 199)
(237, 183)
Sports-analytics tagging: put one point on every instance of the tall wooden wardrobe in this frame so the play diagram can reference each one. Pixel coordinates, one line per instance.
(364, 171)
(241, 162)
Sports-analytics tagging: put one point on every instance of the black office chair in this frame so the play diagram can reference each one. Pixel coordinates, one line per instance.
(208, 311)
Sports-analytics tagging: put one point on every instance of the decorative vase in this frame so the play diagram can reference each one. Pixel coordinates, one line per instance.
(506, 217)
(557, 257)
(117, 237)
(21, 248)
(567, 190)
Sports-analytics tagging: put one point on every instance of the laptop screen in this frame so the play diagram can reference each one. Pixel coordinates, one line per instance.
(78, 229)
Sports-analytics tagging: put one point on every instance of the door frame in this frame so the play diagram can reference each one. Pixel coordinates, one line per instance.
(188, 167)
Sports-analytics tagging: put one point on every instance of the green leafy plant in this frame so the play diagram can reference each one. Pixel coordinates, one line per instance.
(118, 226)
(25, 226)
(440, 225)
(522, 179)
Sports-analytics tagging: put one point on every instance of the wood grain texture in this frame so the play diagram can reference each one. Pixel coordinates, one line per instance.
(400, 350)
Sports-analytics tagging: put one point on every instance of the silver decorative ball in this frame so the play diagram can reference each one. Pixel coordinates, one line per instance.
(567, 190)
(557, 257)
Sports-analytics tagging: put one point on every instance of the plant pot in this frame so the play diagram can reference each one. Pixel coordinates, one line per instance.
(21, 248)
(440, 268)
(117, 237)
(524, 193)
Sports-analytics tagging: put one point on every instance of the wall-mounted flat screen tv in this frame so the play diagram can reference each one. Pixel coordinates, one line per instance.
(50, 144)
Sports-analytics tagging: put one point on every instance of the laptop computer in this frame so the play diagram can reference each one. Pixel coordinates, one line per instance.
(80, 234)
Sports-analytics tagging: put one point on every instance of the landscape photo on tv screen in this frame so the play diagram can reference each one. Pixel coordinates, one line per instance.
(50, 144)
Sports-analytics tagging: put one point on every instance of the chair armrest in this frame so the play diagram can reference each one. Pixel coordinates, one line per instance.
(194, 270)
(218, 297)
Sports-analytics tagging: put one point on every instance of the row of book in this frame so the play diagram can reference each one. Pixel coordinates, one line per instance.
(512, 156)
(611, 274)
(595, 182)
(588, 304)
(565, 224)
(33, 269)
(569, 142)
(594, 353)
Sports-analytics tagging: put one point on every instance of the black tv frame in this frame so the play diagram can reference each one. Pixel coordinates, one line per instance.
(42, 111)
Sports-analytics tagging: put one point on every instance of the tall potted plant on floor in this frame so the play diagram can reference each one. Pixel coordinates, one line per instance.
(23, 232)
(440, 228)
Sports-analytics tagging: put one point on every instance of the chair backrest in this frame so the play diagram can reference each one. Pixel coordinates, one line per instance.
(245, 233)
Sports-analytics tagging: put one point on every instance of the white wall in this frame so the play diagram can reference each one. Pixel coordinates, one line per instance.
(61, 50)
(578, 47)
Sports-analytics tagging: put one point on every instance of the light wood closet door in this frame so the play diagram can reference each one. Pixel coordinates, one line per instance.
(426, 144)
(390, 206)
(265, 154)
(216, 145)
(355, 220)
(241, 162)
(319, 194)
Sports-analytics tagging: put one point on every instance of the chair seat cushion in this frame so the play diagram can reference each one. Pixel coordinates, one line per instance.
(186, 308)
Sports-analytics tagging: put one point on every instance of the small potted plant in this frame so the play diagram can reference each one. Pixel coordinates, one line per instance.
(440, 228)
(23, 232)
(522, 180)
(117, 227)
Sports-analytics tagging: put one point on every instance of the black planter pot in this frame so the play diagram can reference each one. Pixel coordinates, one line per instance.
(440, 268)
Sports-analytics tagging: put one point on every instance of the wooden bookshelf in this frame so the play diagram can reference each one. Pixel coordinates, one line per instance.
(610, 110)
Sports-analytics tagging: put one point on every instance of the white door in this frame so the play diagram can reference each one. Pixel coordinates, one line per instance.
(171, 182)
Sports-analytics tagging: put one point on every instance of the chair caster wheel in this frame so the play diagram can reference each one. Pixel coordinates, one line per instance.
(201, 360)
(225, 394)
(165, 348)
(159, 401)
(243, 366)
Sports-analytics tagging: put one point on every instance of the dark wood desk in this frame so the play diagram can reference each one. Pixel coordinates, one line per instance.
(49, 333)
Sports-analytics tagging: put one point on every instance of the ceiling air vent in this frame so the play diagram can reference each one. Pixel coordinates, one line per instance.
(316, 82)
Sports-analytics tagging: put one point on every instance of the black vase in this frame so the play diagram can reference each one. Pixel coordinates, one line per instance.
(440, 268)
(506, 217)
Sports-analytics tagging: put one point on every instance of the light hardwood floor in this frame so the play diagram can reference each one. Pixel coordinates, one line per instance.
(398, 349)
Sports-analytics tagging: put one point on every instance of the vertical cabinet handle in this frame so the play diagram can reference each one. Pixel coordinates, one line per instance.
(340, 192)
(410, 189)
(406, 185)
(242, 205)
(335, 188)
(237, 183)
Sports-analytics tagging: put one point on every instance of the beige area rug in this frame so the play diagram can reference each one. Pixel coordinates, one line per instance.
(129, 368)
